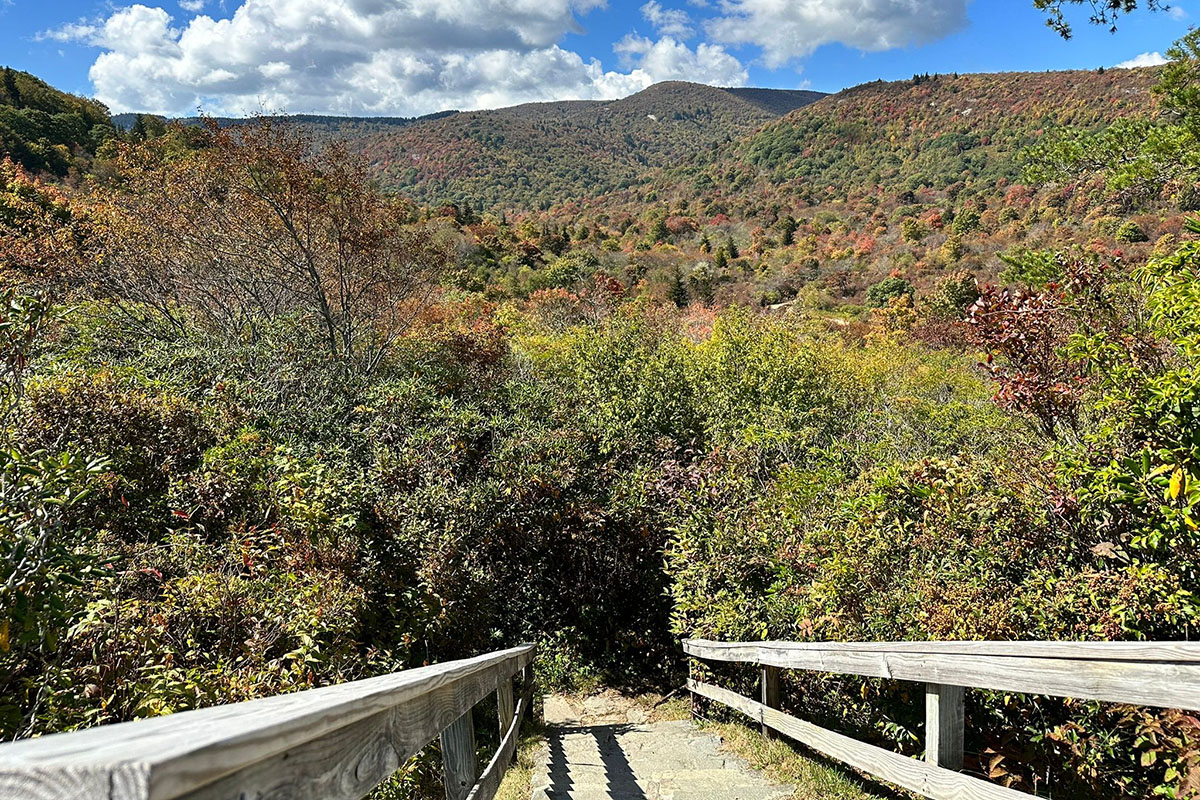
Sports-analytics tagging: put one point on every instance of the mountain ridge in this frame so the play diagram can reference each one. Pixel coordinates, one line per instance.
(574, 149)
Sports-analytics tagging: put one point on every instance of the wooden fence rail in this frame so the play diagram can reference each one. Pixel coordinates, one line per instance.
(1163, 674)
(333, 743)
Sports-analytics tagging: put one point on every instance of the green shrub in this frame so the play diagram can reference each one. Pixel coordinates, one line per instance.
(880, 293)
(913, 230)
(147, 437)
(965, 221)
(1130, 232)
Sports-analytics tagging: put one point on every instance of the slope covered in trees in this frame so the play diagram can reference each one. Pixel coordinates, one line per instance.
(535, 155)
(46, 130)
(266, 426)
(916, 180)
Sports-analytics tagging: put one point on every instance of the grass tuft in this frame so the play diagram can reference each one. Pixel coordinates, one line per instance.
(783, 763)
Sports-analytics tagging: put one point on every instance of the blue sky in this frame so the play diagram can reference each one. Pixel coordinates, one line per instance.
(405, 57)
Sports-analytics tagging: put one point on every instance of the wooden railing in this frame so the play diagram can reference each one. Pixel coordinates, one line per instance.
(334, 743)
(1165, 674)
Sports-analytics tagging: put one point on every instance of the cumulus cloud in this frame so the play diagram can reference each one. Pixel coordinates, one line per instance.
(192, 5)
(670, 60)
(1144, 60)
(396, 57)
(787, 29)
(668, 21)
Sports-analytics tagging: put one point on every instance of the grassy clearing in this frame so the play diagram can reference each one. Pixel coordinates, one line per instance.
(783, 763)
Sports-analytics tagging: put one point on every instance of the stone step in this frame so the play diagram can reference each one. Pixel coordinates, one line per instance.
(622, 757)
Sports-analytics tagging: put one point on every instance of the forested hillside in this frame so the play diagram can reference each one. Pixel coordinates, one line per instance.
(536, 155)
(911, 182)
(45, 130)
(915, 361)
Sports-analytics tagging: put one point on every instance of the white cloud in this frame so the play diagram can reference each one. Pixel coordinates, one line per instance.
(1176, 12)
(192, 5)
(787, 29)
(668, 21)
(1144, 60)
(669, 60)
(395, 57)
(72, 31)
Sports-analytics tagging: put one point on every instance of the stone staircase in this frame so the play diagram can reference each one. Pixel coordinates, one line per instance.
(609, 748)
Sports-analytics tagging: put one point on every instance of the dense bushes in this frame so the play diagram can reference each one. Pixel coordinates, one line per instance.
(472, 494)
(251, 459)
(980, 530)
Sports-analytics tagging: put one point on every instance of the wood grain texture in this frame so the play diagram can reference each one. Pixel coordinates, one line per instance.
(349, 762)
(917, 776)
(1086, 651)
(239, 750)
(460, 762)
(944, 725)
(769, 685)
(493, 773)
(1141, 680)
(504, 705)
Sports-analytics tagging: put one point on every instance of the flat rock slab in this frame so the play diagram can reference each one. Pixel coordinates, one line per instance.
(606, 747)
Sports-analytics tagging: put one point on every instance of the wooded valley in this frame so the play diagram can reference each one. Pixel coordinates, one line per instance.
(287, 402)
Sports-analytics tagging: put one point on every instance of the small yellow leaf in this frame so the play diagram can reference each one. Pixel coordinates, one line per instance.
(1178, 482)
(4, 645)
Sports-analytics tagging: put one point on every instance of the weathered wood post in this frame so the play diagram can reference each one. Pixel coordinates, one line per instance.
(695, 704)
(459, 762)
(944, 725)
(770, 695)
(504, 707)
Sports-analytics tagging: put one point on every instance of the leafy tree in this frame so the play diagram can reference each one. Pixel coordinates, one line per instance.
(565, 271)
(880, 293)
(261, 224)
(965, 221)
(913, 230)
(1131, 232)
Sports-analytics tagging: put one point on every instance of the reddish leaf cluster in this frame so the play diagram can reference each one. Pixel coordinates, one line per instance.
(1022, 333)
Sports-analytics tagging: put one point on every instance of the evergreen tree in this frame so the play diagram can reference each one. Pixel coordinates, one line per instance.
(787, 229)
(677, 291)
(12, 94)
(658, 230)
(721, 259)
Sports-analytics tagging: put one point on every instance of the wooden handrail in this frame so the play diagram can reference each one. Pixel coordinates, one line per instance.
(1163, 674)
(329, 743)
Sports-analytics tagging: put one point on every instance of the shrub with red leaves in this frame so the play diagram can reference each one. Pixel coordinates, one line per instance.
(1027, 331)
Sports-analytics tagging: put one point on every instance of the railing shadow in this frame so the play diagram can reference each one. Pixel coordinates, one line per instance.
(620, 780)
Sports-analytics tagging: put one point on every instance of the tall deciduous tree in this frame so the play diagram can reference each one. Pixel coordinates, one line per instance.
(258, 223)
